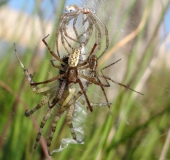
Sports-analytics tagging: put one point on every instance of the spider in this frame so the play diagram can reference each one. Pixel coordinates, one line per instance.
(92, 20)
(92, 64)
(69, 73)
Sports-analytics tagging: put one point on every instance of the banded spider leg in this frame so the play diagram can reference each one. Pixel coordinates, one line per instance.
(46, 91)
(69, 106)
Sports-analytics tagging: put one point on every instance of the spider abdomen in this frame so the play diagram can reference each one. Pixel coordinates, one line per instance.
(64, 69)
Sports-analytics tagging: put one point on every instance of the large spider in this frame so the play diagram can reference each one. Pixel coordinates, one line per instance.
(92, 21)
(70, 72)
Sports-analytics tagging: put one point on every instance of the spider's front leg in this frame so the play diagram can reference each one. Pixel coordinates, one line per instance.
(44, 90)
(51, 52)
(29, 76)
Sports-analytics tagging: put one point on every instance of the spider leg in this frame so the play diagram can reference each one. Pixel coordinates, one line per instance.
(108, 78)
(51, 52)
(70, 112)
(59, 113)
(63, 34)
(104, 91)
(87, 32)
(84, 20)
(64, 19)
(67, 43)
(63, 42)
(92, 80)
(105, 80)
(29, 76)
(59, 95)
(84, 67)
(42, 103)
(61, 29)
(45, 90)
(49, 80)
(77, 96)
(42, 126)
(105, 68)
(110, 65)
(85, 95)
(69, 122)
(102, 104)
(75, 31)
(86, 61)
(122, 85)
(34, 88)
(97, 20)
(57, 35)
(71, 93)
(90, 30)
(74, 26)
(59, 67)
(98, 35)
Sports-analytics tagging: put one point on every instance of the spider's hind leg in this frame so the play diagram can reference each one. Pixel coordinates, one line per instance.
(70, 124)
(42, 126)
(59, 113)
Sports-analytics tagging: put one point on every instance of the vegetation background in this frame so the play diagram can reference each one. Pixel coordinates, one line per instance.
(140, 126)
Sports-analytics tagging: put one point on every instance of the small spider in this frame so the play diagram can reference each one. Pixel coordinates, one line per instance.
(91, 19)
(92, 64)
(70, 72)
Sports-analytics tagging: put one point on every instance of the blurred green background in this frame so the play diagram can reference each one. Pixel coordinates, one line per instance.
(139, 33)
